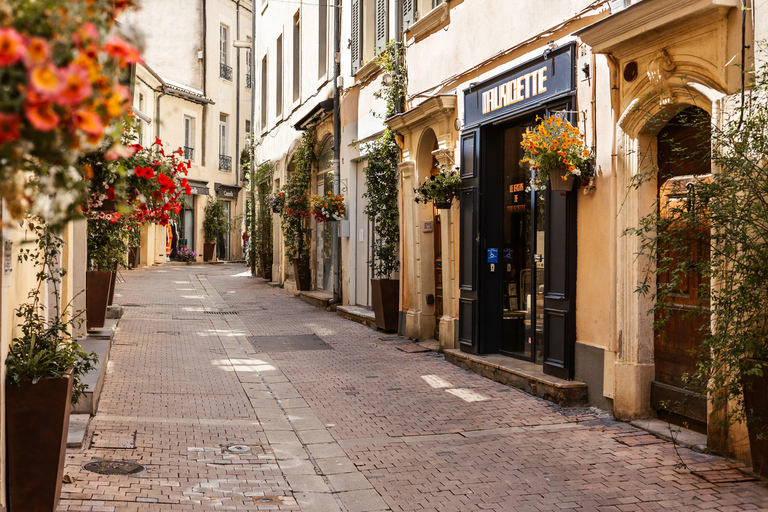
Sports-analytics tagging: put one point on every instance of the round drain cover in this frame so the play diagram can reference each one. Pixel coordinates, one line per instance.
(113, 467)
(239, 448)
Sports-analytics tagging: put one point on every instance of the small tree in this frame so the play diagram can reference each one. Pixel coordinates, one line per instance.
(295, 217)
(214, 221)
(262, 242)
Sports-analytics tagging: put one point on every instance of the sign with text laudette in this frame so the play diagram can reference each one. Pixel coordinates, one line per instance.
(532, 84)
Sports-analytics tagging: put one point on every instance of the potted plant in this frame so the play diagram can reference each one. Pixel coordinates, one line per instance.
(329, 207)
(295, 217)
(440, 187)
(276, 202)
(262, 233)
(382, 209)
(214, 224)
(44, 370)
(556, 153)
(106, 250)
(186, 255)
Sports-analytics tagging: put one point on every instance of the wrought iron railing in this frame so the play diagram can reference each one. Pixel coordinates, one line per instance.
(225, 163)
(189, 153)
(247, 81)
(225, 71)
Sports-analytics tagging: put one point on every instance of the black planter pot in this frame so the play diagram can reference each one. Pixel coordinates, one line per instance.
(37, 421)
(559, 184)
(385, 294)
(303, 274)
(265, 263)
(756, 399)
(134, 257)
(112, 285)
(443, 205)
(209, 251)
(97, 288)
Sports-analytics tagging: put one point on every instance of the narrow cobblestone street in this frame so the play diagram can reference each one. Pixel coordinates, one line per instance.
(345, 422)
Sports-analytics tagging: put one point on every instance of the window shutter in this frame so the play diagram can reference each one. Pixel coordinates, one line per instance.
(355, 46)
(381, 26)
(409, 13)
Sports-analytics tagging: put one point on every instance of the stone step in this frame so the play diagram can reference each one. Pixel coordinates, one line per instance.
(99, 341)
(524, 375)
(317, 298)
(357, 314)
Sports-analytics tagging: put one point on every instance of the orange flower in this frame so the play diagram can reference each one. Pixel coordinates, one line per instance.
(46, 81)
(88, 122)
(41, 116)
(9, 127)
(38, 52)
(122, 51)
(12, 47)
(77, 86)
(585, 153)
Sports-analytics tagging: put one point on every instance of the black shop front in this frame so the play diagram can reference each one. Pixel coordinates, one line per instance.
(517, 274)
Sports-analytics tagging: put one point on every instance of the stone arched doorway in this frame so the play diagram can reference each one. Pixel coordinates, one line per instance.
(324, 232)
(427, 165)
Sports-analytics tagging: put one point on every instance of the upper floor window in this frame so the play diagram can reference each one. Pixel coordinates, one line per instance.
(296, 57)
(322, 43)
(225, 161)
(370, 30)
(225, 70)
(264, 91)
(248, 69)
(279, 77)
(189, 138)
(413, 10)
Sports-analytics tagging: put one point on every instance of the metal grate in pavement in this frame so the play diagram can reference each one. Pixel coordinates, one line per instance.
(292, 343)
(113, 467)
(114, 439)
(221, 312)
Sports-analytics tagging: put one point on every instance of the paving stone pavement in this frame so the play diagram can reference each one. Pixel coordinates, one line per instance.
(354, 426)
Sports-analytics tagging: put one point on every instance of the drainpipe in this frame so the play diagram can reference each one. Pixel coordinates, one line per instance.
(398, 43)
(205, 81)
(335, 258)
(252, 252)
(236, 157)
(157, 111)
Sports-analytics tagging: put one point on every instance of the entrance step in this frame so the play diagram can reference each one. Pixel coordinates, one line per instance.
(99, 341)
(317, 298)
(522, 375)
(78, 424)
(357, 314)
(682, 436)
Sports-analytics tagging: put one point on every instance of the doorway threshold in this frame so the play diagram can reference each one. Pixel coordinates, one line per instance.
(317, 298)
(523, 375)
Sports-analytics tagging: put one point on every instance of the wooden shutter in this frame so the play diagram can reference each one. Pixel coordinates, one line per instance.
(356, 36)
(409, 13)
(381, 26)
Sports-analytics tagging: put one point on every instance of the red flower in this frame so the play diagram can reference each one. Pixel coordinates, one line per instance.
(122, 51)
(9, 127)
(111, 194)
(41, 116)
(12, 48)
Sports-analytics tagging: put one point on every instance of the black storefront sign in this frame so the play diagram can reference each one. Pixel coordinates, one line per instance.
(533, 84)
(227, 191)
(199, 188)
(517, 286)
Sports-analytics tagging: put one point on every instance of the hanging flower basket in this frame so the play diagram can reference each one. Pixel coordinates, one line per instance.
(276, 202)
(329, 207)
(440, 187)
(556, 152)
(561, 180)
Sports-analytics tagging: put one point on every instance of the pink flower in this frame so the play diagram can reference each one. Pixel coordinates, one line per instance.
(45, 80)
(122, 51)
(87, 121)
(12, 48)
(77, 86)
(41, 116)
(38, 52)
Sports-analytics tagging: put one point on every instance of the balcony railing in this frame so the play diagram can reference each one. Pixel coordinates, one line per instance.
(247, 81)
(225, 163)
(189, 153)
(225, 71)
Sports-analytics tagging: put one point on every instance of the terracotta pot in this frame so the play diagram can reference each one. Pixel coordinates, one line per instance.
(134, 257)
(556, 181)
(112, 284)
(37, 421)
(303, 274)
(97, 288)
(385, 294)
(756, 399)
(265, 263)
(209, 251)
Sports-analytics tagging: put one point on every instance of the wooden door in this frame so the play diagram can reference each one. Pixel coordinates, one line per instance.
(438, 273)
(682, 166)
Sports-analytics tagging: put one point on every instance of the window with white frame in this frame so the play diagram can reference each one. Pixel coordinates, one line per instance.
(370, 30)
(264, 91)
(225, 161)
(189, 138)
(279, 76)
(225, 70)
(248, 70)
(413, 10)
(322, 43)
(296, 57)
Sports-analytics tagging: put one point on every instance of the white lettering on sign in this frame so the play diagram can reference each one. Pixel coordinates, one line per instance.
(517, 89)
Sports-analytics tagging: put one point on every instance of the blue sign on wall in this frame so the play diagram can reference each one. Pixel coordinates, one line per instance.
(533, 83)
(493, 255)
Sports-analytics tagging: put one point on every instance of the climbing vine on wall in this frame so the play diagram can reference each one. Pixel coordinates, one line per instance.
(295, 217)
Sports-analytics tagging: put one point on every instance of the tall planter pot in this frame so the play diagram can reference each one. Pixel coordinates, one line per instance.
(385, 294)
(97, 288)
(134, 257)
(209, 251)
(37, 423)
(112, 284)
(756, 399)
(303, 274)
(266, 266)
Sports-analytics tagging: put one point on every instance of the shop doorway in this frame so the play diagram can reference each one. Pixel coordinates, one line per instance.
(325, 232)
(681, 167)
(438, 272)
(222, 244)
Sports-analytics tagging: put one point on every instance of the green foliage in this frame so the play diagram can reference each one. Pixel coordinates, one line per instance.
(390, 59)
(107, 243)
(295, 217)
(45, 348)
(381, 178)
(262, 238)
(214, 220)
(439, 188)
(718, 228)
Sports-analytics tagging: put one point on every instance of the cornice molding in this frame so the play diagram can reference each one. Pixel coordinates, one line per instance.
(430, 21)
(426, 111)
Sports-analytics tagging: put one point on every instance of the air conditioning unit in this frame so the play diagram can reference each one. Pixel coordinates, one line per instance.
(618, 5)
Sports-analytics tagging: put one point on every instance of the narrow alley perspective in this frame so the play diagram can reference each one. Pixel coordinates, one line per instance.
(229, 394)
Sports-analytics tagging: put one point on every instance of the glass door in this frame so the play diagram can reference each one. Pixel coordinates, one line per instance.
(222, 244)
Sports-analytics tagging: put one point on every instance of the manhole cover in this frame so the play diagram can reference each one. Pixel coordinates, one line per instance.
(267, 500)
(288, 343)
(239, 448)
(113, 467)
